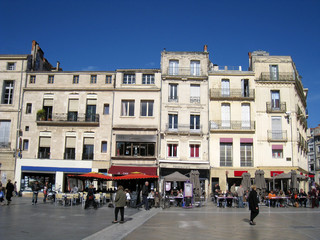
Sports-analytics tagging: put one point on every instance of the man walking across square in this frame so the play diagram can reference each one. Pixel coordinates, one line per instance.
(240, 192)
(145, 193)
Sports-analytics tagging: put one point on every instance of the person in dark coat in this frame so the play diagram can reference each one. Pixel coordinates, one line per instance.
(90, 198)
(120, 202)
(253, 204)
(145, 193)
(35, 188)
(10, 189)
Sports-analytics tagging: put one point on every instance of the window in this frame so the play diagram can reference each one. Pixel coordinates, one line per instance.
(276, 128)
(137, 149)
(73, 110)
(274, 72)
(277, 153)
(194, 93)
(5, 133)
(246, 155)
(148, 79)
(225, 154)
(129, 79)
(25, 145)
(11, 66)
(172, 150)
(91, 111)
(275, 99)
(173, 67)
(44, 147)
(173, 92)
(225, 115)
(194, 122)
(32, 79)
(225, 88)
(194, 150)
(195, 68)
(173, 121)
(93, 79)
(127, 108)
(48, 108)
(106, 109)
(26, 128)
(245, 116)
(245, 87)
(50, 79)
(108, 79)
(29, 108)
(88, 147)
(70, 149)
(75, 79)
(104, 146)
(7, 92)
(146, 108)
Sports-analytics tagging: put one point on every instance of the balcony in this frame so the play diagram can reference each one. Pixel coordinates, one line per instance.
(184, 71)
(218, 125)
(44, 154)
(194, 99)
(281, 76)
(231, 94)
(5, 145)
(277, 136)
(183, 129)
(276, 108)
(173, 99)
(68, 119)
(87, 156)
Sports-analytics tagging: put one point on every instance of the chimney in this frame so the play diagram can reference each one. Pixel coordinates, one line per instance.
(250, 61)
(58, 65)
(205, 48)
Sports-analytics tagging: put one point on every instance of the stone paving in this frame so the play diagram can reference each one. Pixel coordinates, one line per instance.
(21, 220)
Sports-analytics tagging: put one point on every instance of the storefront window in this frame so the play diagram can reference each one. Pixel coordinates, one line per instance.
(135, 149)
(28, 179)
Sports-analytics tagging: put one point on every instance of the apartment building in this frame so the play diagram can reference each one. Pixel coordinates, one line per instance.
(184, 114)
(66, 126)
(136, 122)
(232, 122)
(314, 153)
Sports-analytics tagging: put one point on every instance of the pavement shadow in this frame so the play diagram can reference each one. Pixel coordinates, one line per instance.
(246, 220)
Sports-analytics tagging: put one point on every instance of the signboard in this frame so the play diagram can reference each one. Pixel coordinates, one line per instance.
(188, 190)
(168, 186)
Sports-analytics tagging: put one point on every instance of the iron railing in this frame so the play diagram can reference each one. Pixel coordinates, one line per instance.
(276, 108)
(281, 76)
(232, 125)
(71, 117)
(5, 144)
(184, 71)
(232, 93)
(277, 135)
(173, 128)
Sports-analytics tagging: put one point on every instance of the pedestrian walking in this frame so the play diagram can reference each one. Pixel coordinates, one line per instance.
(45, 192)
(120, 202)
(1, 194)
(9, 191)
(240, 192)
(15, 188)
(145, 193)
(35, 189)
(253, 204)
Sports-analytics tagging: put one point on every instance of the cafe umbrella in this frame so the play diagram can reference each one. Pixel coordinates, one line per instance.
(246, 181)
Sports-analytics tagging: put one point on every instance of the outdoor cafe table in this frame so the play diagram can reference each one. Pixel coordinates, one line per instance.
(278, 200)
(224, 201)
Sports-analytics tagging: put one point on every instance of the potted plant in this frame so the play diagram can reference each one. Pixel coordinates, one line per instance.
(41, 114)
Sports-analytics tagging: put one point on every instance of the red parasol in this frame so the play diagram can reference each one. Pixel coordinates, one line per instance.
(134, 176)
(92, 176)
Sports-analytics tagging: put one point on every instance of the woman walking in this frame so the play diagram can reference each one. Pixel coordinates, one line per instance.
(253, 204)
(120, 201)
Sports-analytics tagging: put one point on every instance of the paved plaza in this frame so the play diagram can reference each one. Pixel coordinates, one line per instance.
(21, 220)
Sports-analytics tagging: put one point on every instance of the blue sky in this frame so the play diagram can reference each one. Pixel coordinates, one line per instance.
(108, 35)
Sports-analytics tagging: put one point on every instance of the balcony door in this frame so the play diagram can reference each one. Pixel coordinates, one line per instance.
(195, 68)
(274, 72)
(276, 128)
(275, 99)
(225, 88)
(245, 116)
(173, 67)
(225, 115)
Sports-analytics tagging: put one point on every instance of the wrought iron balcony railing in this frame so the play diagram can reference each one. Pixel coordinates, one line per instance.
(179, 128)
(232, 94)
(184, 71)
(194, 99)
(280, 107)
(71, 117)
(44, 155)
(281, 76)
(5, 144)
(232, 125)
(280, 136)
